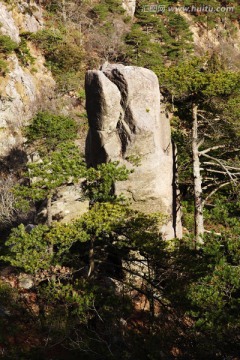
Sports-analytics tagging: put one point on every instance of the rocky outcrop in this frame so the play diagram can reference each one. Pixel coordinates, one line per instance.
(222, 38)
(8, 26)
(68, 205)
(129, 6)
(128, 125)
(21, 17)
(24, 89)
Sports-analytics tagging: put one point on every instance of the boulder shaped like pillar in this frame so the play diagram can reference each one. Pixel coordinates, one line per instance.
(127, 125)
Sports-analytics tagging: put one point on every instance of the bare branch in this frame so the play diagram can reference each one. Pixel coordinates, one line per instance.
(210, 149)
(222, 165)
(8, 210)
(210, 185)
(200, 143)
(215, 190)
(213, 232)
(227, 166)
(233, 168)
(216, 171)
(202, 117)
(209, 178)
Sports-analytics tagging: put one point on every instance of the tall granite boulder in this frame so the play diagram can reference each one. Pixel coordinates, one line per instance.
(127, 125)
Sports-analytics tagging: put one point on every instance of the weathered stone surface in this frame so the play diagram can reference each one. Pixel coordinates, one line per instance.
(129, 6)
(22, 91)
(22, 17)
(8, 26)
(68, 205)
(21, 94)
(126, 124)
(25, 281)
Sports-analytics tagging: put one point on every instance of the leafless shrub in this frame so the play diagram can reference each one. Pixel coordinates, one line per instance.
(8, 210)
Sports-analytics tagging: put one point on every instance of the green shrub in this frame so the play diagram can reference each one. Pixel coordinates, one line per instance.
(23, 53)
(66, 57)
(155, 38)
(47, 39)
(3, 67)
(51, 129)
(215, 296)
(7, 45)
(141, 50)
(53, 6)
(108, 6)
(30, 251)
(63, 54)
(100, 181)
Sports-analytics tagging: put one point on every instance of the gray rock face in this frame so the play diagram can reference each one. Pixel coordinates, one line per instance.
(129, 6)
(18, 18)
(68, 205)
(8, 26)
(127, 125)
(22, 91)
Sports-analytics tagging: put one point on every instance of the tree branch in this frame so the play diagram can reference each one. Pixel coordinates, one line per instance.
(210, 149)
(222, 165)
(199, 144)
(216, 171)
(227, 166)
(215, 190)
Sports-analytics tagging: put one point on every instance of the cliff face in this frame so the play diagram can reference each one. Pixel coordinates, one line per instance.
(127, 125)
(221, 39)
(26, 87)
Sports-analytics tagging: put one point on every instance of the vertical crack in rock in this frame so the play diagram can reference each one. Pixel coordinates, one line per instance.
(117, 78)
(124, 135)
(127, 125)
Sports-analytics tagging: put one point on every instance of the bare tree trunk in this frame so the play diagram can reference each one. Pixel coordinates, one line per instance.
(151, 295)
(197, 179)
(91, 258)
(49, 217)
(64, 14)
(49, 209)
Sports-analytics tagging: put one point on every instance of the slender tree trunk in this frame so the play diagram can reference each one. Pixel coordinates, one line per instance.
(64, 14)
(49, 209)
(197, 179)
(49, 217)
(151, 297)
(91, 258)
